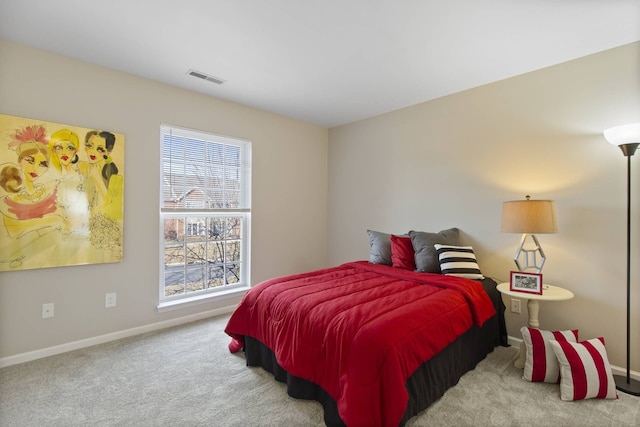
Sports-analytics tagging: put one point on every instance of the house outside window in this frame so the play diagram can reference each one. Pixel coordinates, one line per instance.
(205, 214)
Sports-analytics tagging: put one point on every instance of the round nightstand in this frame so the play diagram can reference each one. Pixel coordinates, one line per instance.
(549, 293)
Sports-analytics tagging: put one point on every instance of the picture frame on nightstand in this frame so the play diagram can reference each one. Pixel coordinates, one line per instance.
(521, 281)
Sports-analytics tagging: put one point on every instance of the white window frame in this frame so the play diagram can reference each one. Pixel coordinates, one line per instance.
(202, 212)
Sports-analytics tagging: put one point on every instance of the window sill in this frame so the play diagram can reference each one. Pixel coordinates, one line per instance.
(201, 299)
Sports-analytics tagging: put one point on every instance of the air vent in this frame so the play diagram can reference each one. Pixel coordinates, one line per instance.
(206, 77)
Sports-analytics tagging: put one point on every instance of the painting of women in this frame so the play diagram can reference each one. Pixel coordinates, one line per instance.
(61, 201)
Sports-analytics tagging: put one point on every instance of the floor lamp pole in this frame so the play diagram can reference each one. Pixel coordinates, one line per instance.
(628, 384)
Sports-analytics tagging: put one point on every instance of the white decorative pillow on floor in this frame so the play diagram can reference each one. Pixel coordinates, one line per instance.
(585, 370)
(541, 364)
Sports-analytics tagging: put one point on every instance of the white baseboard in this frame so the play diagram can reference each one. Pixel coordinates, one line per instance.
(75, 345)
(615, 369)
(514, 341)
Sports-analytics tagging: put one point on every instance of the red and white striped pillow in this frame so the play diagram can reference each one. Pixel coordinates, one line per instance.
(585, 370)
(541, 364)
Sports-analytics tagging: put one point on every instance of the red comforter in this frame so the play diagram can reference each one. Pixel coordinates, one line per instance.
(360, 330)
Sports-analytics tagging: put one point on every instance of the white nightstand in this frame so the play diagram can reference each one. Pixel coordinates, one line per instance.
(549, 293)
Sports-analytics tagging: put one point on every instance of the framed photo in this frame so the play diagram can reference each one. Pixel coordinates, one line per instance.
(526, 282)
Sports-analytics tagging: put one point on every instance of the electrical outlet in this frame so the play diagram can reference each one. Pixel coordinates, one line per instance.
(515, 305)
(110, 300)
(47, 310)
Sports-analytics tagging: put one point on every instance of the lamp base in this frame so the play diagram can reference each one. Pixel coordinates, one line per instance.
(632, 387)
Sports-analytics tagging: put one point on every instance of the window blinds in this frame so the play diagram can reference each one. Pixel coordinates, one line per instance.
(204, 172)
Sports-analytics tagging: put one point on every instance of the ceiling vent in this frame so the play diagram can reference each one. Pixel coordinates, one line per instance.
(206, 77)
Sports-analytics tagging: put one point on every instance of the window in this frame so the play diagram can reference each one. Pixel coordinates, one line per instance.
(205, 214)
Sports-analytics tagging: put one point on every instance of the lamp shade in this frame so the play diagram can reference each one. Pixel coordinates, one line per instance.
(625, 134)
(529, 216)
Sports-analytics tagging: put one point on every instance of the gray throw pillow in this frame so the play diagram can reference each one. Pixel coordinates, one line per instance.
(427, 260)
(380, 247)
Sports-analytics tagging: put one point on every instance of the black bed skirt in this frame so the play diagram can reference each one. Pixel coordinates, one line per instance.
(428, 383)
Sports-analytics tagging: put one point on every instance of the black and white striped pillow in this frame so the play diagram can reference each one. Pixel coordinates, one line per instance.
(458, 261)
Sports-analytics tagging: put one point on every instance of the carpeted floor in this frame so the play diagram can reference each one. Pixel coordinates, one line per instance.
(185, 376)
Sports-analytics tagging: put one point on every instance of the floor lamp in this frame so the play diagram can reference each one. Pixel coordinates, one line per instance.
(627, 137)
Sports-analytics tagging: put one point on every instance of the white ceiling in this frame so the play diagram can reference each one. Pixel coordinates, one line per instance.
(328, 62)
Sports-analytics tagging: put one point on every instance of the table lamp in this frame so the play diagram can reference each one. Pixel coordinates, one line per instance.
(529, 217)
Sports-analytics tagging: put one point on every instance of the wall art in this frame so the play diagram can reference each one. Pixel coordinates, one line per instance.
(61, 194)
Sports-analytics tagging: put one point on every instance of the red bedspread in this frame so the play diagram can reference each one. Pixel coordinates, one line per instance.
(360, 330)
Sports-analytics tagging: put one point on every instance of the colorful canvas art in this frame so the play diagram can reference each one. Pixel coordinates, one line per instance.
(61, 194)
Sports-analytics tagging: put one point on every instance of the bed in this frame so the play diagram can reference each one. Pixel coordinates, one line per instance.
(374, 344)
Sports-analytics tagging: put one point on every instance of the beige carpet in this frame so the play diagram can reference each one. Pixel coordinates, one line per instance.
(185, 376)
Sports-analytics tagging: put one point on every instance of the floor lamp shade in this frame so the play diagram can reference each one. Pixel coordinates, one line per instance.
(627, 137)
(529, 217)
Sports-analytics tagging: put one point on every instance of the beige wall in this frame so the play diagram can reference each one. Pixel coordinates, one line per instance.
(454, 160)
(289, 196)
(448, 162)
